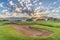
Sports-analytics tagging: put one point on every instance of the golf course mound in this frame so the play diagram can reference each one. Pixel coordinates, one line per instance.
(27, 30)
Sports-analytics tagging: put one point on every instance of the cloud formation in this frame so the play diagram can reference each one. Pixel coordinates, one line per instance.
(1, 5)
(11, 3)
(28, 6)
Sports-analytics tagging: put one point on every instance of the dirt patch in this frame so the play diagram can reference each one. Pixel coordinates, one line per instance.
(26, 30)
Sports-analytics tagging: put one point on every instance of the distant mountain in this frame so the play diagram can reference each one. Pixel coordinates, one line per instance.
(24, 18)
(14, 18)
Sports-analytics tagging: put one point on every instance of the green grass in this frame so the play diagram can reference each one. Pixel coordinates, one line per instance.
(44, 23)
(9, 33)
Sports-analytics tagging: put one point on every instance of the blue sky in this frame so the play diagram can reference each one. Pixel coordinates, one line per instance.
(52, 5)
(45, 3)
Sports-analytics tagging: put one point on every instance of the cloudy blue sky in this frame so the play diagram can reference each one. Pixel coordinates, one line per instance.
(51, 5)
(46, 3)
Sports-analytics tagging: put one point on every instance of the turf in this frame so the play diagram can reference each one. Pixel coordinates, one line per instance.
(9, 33)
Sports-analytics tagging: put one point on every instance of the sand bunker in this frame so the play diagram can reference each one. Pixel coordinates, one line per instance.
(26, 30)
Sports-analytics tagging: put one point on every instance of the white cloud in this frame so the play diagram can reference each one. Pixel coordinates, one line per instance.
(28, 1)
(19, 0)
(1, 5)
(22, 0)
(18, 10)
(34, 1)
(59, 7)
(29, 8)
(40, 3)
(53, 10)
(11, 3)
(3, 11)
(56, 10)
(54, 3)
